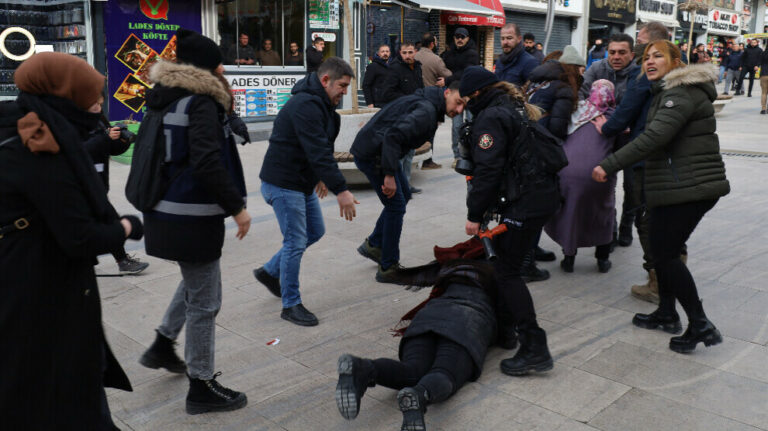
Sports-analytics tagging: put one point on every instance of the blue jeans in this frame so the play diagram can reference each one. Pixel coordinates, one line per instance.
(456, 126)
(721, 74)
(386, 234)
(301, 223)
(406, 163)
(196, 302)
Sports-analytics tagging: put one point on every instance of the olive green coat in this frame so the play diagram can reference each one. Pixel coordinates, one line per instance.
(679, 144)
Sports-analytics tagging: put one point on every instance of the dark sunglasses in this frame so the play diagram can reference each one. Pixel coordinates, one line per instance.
(459, 36)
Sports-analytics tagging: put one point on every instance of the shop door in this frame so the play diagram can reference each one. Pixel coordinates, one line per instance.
(534, 23)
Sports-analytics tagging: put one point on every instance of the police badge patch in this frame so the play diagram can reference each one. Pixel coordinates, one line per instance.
(486, 141)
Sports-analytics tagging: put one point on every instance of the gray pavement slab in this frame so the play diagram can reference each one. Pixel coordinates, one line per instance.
(608, 375)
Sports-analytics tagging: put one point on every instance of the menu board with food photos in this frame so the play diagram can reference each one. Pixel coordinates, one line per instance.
(261, 95)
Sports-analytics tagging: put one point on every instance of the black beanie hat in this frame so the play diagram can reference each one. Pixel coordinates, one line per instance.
(197, 50)
(474, 78)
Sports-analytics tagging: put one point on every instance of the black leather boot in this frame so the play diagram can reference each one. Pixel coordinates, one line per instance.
(567, 263)
(544, 255)
(700, 329)
(355, 376)
(533, 354)
(209, 396)
(413, 404)
(528, 270)
(162, 355)
(665, 317)
(625, 230)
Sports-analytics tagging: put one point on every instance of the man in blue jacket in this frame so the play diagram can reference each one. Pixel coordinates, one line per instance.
(404, 124)
(515, 64)
(632, 113)
(298, 167)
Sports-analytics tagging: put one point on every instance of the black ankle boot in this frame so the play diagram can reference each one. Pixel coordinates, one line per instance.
(413, 404)
(665, 317)
(700, 329)
(625, 230)
(567, 263)
(210, 396)
(528, 270)
(162, 355)
(533, 354)
(355, 376)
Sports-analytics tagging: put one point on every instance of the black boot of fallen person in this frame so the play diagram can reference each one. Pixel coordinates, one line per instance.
(528, 270)
(413, 404)
(665, 317)
(700, 330)
(209, 396)
(533, 354)
(355, 376)
(162, 355)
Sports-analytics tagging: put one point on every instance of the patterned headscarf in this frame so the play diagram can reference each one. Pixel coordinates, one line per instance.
(600, 101)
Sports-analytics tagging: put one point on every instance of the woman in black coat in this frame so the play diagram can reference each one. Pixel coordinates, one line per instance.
(555, 88)
(442, 348)
(54, 220)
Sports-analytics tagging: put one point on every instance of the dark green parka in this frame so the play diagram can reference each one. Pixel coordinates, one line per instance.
(680, 146)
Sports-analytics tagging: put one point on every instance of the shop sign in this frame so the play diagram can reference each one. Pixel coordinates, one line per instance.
(324, 14)
(619, 11)
(261, 95)
(700, 24)
(138, 33)
(657, 7)
(326, 35)
(724, 22)
(450, 18)
(565, 7)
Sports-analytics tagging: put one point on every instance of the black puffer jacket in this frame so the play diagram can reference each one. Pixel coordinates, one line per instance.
(553, 96)
(402, 125)
(100, 146)
(373, 83)
(457, 59)
(401, 80)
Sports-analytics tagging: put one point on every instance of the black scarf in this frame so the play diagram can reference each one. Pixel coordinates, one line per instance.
(511, 55)
(70, 126)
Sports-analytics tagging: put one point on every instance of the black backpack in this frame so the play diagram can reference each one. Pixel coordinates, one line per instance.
(147, 183)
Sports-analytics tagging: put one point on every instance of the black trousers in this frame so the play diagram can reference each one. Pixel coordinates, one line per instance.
(670, 228)
(744, 72)
(435, 363)
(515, 305)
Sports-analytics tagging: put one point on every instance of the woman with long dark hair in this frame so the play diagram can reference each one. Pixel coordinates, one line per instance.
(685, 177)
(554, 88)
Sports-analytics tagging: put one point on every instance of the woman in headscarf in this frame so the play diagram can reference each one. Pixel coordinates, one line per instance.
(54, 220)
(587, 216)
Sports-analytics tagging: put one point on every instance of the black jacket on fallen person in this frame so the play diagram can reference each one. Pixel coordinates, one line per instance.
(464, 314)
(554, 96)
(403, 125)
(751, 57)
(100, 146)
(457, 59)
(402, 80)
(206, 173)
(55, 359)
(373, 83)
(496, 127)
(300, 152)
(314, 59)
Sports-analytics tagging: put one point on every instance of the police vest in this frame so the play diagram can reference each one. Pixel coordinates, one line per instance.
(186, 198)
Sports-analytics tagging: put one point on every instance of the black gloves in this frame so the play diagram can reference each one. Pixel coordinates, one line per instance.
(137, 228)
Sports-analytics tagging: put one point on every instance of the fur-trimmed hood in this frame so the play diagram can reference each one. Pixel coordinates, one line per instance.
(690, 75)
(192, 79)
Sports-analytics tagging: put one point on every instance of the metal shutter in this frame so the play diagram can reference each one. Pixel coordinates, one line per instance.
(534, 23)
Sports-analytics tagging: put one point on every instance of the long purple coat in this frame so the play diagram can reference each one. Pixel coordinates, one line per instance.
(587, 216)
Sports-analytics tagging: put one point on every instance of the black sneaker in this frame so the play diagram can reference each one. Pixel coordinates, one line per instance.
(209, 396)
(394, 274)
(272, 283)
(413, 406)
(161, 354)
(131, 265)
(368, 251)
(355, 376)
(299, 315)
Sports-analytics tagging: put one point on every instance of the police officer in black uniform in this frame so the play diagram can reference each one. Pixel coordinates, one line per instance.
(497, 108)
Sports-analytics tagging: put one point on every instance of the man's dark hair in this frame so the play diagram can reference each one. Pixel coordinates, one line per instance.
(656, 31)
(242, 33)
(529, 36)
(406, 43)
(454, 84)
(317, 39)
(514, 27)
(427, 39)
(621, 37)
(382, 45)
(266, 40)
(293, 41)
(335, 68)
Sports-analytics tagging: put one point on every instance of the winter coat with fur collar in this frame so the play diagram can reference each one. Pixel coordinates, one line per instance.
(680, 143)
(213, 165)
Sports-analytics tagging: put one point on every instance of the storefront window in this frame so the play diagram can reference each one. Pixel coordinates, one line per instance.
(30, 26)
(262, 32)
